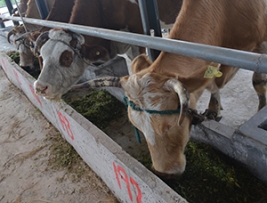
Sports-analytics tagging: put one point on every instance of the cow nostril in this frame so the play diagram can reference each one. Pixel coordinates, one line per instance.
(41, 89)
(44, 89)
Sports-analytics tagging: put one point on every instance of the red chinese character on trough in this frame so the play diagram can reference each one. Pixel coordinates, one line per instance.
(65, 124)
(35, 96)
(4, 65)
(122, 175)
(17, 77)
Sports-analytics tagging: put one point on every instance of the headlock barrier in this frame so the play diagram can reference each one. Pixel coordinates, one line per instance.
(241, 59)
(129, 180)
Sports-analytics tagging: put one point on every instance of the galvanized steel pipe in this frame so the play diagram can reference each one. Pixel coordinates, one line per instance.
(241, 59)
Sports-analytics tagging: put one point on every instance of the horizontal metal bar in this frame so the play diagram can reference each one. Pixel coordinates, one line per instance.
(241, 59)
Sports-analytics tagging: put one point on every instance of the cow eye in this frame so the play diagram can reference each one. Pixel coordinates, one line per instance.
(66, 58)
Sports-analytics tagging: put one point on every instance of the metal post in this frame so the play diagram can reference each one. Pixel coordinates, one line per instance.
(10, 9)
(9, 6)
(42, 8)
(2, 25)
(150, 21)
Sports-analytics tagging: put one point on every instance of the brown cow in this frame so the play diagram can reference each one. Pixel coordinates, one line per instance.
(174, 83)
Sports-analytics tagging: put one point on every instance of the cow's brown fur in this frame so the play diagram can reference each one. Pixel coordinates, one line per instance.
(32, 12)
(227, 23)
(22, 8)
(114, 15)
(61, 12)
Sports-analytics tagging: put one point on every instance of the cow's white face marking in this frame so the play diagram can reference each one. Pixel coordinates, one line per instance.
(138, 92)
(143, 121)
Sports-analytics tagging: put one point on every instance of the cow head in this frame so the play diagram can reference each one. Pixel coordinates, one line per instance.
(163, 118)
(158, 107)
(65, 56)
(23, 44)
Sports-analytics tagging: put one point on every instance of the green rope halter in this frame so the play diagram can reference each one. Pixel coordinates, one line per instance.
(134, 107)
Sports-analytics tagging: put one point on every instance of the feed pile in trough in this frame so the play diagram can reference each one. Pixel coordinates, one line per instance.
(99, 107)
(209, 175)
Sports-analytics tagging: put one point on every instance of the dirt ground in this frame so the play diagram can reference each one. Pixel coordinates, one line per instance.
(25, 172)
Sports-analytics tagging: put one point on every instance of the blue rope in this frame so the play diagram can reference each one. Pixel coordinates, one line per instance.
(134, 107)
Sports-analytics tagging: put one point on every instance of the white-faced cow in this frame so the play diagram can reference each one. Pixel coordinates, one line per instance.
(67, 49)
(162, 94)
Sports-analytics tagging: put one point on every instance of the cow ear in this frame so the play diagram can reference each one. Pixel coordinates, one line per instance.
(94, 53)
(123, 82)
(124, 79)
(79, 38)
(140, 62)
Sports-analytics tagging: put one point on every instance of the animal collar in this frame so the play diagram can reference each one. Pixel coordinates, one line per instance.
(197, 118)
(134, 107)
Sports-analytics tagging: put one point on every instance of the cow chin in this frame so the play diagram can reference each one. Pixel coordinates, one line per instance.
(165, 176)
(177, 171)
(167, 154)
(53, 97)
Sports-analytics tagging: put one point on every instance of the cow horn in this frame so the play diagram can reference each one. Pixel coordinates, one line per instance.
(183, 94)
(99, 82)
(39, 42)
(79, 38)
(23, 36)
(12, 32)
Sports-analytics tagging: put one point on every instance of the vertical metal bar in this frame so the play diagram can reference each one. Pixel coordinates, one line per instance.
(2, 25)
(150, 21)
(9, 6)
(10, 9)
(145, 22)
(42, 8)
(20, 14)
(153, 16)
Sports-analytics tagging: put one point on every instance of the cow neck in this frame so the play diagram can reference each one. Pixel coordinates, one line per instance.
(195, 23)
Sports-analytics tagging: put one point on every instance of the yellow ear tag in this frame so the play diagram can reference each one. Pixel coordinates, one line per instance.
(212, 72)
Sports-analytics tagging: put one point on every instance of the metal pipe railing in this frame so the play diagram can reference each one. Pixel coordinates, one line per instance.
(241, 59)
(150, 20)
